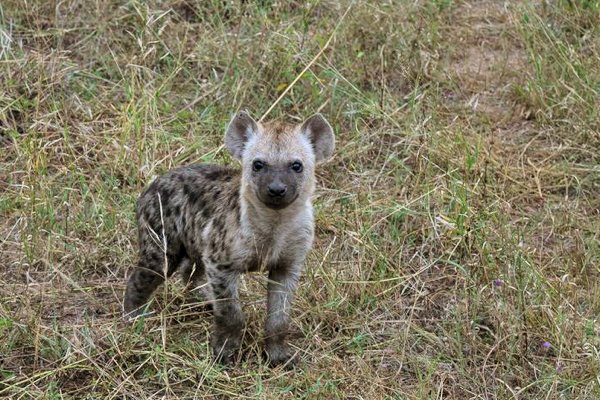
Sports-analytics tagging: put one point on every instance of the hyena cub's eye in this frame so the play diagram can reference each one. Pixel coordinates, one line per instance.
(297, 166)
(257, 165)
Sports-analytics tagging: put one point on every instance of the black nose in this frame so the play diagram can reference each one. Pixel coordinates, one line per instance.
(276, 189)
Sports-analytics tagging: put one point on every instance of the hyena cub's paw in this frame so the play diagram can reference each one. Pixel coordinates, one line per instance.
(226, 348)
(131, 312)
(280, 354)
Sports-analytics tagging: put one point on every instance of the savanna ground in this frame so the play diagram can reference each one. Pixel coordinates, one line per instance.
(457, 252)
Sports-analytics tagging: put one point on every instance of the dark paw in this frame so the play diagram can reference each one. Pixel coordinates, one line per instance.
(280, 354)
(226, 350)
(135, 313)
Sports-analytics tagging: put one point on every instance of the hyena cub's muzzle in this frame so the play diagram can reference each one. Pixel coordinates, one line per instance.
(277, 186)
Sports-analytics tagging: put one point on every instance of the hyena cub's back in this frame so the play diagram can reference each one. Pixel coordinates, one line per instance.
(215, 223)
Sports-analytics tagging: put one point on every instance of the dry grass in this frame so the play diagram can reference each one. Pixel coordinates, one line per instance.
(458, 224)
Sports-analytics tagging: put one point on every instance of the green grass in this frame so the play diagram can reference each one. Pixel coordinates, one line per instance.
(458, 225)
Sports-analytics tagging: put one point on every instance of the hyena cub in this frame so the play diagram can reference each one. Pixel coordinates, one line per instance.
(214, 223)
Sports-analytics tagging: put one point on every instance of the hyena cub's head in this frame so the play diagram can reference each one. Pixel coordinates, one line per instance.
(278, 161)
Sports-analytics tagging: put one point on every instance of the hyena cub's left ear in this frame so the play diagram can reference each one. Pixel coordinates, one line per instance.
(321, 136)
(239, 130)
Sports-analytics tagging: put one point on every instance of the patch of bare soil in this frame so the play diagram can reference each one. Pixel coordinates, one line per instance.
(486, 62)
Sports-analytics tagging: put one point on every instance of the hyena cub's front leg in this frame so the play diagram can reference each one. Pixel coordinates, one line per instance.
(223, 282)
(283, 280)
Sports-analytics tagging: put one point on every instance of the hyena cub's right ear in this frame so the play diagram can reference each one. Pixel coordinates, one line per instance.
(321, 136)
(239, 130)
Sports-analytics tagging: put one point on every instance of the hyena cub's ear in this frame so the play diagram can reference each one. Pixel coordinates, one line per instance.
(320, 134)
(239, 130)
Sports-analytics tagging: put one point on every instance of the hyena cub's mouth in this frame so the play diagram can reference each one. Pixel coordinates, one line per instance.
(278, 203)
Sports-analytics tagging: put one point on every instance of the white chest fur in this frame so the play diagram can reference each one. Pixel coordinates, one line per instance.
(273, 236)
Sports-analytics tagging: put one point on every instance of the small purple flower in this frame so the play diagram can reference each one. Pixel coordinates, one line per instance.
(498, 282)
(559, 368)
(546, 345)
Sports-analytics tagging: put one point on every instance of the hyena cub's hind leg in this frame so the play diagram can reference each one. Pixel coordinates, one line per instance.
(150, 273)
(193, 275)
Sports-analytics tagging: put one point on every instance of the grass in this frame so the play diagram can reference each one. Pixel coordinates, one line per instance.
(458, 225)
